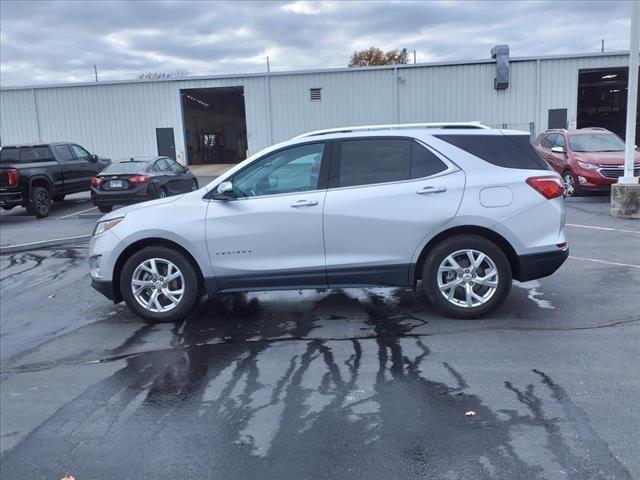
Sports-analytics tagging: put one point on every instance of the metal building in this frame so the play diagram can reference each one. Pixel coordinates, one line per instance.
(218, 119)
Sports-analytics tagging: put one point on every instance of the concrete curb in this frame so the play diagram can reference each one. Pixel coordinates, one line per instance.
(25, 247)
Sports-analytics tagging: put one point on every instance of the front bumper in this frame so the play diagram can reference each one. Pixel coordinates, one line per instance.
(539, 265)
(105, 287)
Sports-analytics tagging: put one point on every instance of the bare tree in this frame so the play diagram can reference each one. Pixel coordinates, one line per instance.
(179, 73)
(374, 56)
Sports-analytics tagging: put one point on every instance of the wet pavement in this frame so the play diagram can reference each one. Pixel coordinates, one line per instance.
(355, 383)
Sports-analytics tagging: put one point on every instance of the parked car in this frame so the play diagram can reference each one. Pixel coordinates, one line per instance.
(463, 210)
(587, 159)
(140, 179)
(33, 176)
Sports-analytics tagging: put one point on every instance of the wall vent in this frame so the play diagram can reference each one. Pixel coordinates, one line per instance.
(315, 94)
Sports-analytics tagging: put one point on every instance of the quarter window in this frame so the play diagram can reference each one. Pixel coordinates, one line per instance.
(295, 169)
(369, 161)
(424, 162)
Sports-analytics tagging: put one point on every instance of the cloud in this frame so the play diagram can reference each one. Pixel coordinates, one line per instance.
(60, 41)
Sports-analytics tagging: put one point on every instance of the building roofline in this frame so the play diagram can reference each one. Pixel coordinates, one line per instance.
(316, 71)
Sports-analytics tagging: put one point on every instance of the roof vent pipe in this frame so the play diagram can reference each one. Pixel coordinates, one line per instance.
(501, 54)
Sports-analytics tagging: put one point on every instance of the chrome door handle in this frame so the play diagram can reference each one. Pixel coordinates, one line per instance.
(431, 189)
(304, 203)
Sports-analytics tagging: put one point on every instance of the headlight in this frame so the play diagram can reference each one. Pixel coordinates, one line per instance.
(588, 166)
(102, 227)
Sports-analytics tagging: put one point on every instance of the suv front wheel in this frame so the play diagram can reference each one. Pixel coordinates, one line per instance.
(466, 276)
(159, 284)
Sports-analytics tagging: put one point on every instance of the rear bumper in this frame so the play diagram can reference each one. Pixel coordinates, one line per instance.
(105, 287)
(122, 198)
(11, 199)
(539, 265)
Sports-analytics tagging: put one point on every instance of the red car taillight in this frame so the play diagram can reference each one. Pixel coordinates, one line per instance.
(139, 179)
(549, 187)
(12, 177)
(96, 181)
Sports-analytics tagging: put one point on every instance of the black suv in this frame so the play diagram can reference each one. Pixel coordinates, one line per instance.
(33, 175)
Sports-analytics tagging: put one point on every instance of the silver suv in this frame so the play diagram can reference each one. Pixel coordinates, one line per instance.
(460, 207)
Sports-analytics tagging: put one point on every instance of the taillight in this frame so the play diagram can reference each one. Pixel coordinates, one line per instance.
(549, 187)
(138, 179)
(96, 181)
(12, 177)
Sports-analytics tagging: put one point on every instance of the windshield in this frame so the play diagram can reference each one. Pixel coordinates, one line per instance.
(125, 167)
(597, 142)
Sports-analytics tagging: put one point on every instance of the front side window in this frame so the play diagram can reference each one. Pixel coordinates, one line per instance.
(63, 153)
(549, 140)
(597, 142)
(175, 167)
(161, 166)
(80, 153)
(560, 141)
(376, 160)
(295, 169)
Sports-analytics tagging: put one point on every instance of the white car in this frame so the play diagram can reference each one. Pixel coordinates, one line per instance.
(460, 207)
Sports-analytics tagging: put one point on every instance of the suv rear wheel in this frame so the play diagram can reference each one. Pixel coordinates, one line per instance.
(159, 284)
(466, 276)
(40, 203)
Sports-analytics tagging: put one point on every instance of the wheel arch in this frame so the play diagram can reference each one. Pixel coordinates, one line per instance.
(150, 242)
(41, 181)
(491, 235)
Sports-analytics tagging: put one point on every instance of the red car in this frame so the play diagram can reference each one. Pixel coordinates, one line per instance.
(587, 159)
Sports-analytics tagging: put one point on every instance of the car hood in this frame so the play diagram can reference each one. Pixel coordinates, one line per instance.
(604, 158)
(120, 212)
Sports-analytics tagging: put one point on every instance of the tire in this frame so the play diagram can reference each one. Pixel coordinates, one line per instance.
(161, 256)
(162, 193)
(570, 184)
(40, 202)
(457, 306)
(59, 198)
(105, 208)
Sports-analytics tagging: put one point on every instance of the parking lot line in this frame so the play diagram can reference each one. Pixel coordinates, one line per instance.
(609, 229)
(597, 260)
(76, 213)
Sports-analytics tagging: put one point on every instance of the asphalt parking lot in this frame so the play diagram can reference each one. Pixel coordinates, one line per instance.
(357, 383)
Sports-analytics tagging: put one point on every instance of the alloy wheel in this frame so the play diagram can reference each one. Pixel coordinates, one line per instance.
(42, 202)
(569, 184)
(157, 285)
(468, 278)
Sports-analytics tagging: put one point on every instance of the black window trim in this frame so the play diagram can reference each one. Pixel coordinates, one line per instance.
(335, 161)
(323, 177)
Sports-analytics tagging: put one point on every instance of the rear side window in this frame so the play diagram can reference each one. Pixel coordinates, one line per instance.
(63, 153)
(367, 161)
(509, 151)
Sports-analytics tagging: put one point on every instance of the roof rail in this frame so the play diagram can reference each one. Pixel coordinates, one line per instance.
(594, 128)
(398, 126)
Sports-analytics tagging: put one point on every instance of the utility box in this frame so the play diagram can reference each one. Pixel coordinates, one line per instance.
(501, 54)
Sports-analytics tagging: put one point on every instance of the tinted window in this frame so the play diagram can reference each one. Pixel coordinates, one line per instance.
(8, 155)
(161, 166)
(597, 142)
(367, 161)
(424, 162)
(26, 154)
(295, 169)
(63, 153)
(509, 151)
(80, 153)
(549, 140)
(125, 167)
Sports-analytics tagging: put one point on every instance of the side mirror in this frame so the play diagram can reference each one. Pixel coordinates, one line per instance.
(224, 191)
(557, 149)
(93, 158)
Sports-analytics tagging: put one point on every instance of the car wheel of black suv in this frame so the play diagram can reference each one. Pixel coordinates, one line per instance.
(159, 284)
(58, 198)
(40, 202)
(466, 276)
(105, 208)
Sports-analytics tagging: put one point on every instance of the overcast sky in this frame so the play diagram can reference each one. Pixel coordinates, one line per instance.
(54, 42)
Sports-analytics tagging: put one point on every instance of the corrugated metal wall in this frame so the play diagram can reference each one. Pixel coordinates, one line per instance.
(119, 120)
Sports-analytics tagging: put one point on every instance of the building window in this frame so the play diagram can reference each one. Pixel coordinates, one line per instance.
(315, 93)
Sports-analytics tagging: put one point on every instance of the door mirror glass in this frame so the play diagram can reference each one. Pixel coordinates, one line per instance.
(557, 149)
(224, 191)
